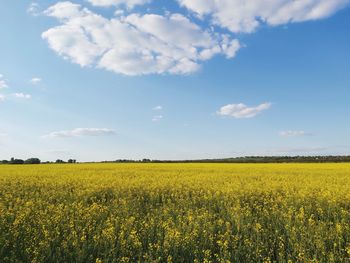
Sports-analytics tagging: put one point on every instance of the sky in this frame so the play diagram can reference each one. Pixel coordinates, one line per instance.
(100, 80)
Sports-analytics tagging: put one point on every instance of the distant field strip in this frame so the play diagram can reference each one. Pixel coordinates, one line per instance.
(175, 213)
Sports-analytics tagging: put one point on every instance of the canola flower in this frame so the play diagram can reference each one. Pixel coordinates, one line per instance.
(175, 213)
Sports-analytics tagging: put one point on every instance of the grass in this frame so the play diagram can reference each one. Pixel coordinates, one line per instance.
(175, 213)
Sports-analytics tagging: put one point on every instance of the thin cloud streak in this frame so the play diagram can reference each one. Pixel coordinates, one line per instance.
(80, 132)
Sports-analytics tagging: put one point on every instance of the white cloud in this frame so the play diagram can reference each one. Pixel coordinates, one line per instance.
(294, 133)
(134, 44)
(33, 9)
(3, 83)
(158, 108)
(119, 12)
(128, 3)
(13, 96)
(35, 80)
(3, 97)
(246, 16)
(157, 118)
(21, 96)
(140, 44)
(78, 132)
(240, 111)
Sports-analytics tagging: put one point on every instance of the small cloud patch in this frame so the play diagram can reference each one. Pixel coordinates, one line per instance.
(242, 111)
(35, 80)
(80, 132)
(3, 83)
(157, 118)
(291, 133)
(157, 108)
(33, 9)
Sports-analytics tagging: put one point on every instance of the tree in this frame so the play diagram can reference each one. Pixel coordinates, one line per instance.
(59, 161)
(72, 161)
(32, 161)
(16, 161)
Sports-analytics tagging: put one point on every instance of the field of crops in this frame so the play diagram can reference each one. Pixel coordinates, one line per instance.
(175, 213)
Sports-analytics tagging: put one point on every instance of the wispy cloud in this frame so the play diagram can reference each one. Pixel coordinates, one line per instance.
(3, 85)
(241, 111)
(157, 118)
(3, 82)
(157, 108)
(33, 9)
(9, 96)
(21, 96)
(79, 132)
(291, 133)
(15, 96)
(35, 80)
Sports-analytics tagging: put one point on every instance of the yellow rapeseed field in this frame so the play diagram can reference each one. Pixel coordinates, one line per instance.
(175, 213)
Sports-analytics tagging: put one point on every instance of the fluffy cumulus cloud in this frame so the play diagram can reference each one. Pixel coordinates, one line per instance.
(79, 132)
(135, 44)
(144, 43)
(245, 16)
(240, 110)
(291, 133)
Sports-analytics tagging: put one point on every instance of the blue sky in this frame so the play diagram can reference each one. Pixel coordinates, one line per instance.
(109, 79)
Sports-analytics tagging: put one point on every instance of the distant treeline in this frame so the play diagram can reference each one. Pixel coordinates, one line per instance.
(251, 159)
(33, 161)
(246, 159)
